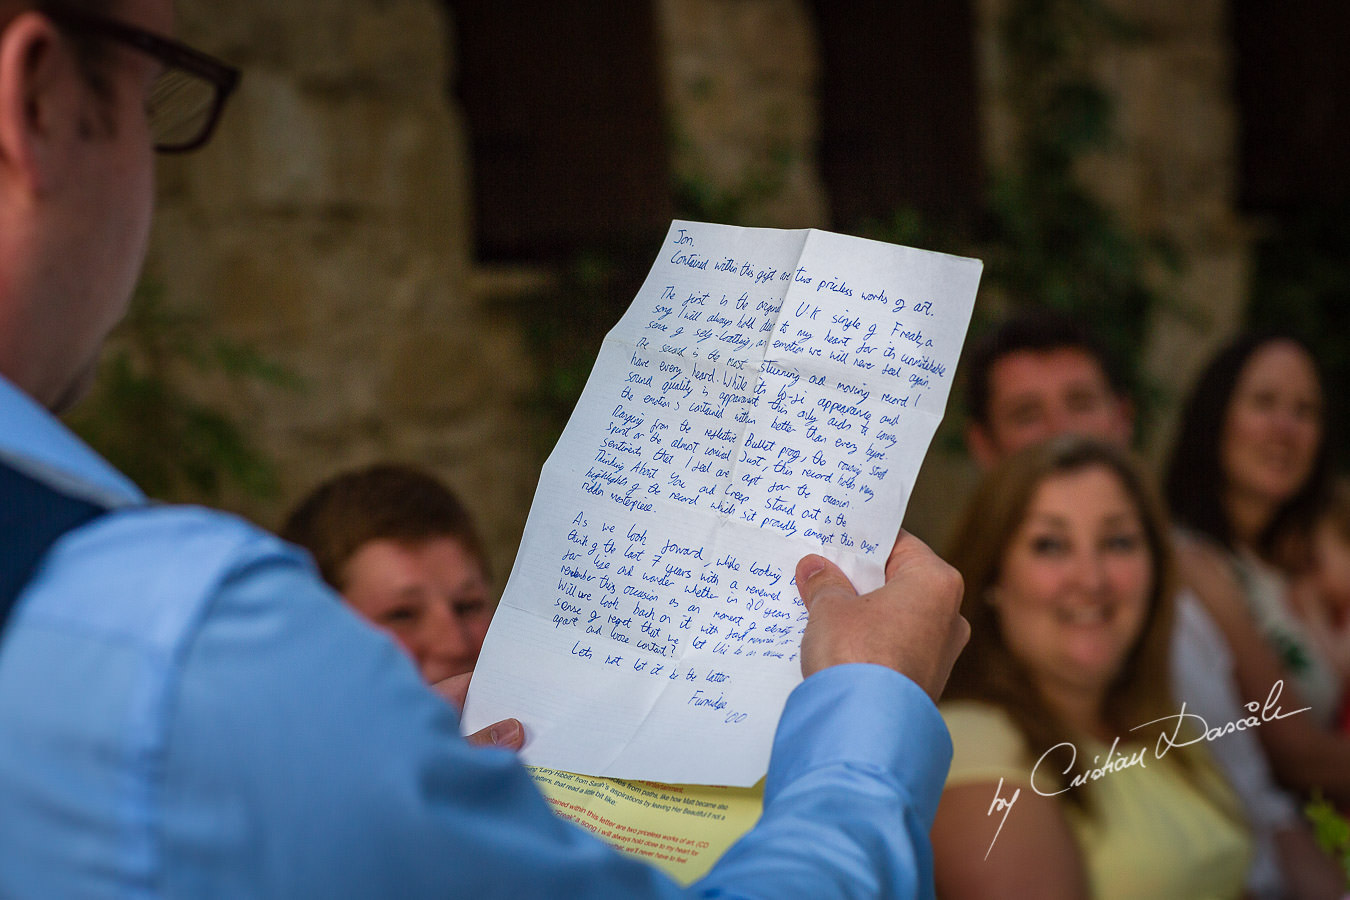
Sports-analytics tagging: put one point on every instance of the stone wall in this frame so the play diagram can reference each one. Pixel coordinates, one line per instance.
(1176, 175)
(327, 225)
(329, 221)
(1172, 173)
(740, 88)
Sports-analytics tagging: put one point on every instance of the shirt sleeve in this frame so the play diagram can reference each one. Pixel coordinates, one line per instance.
(305, 758)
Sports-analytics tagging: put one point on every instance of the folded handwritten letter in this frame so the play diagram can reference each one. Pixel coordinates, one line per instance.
(768, 394)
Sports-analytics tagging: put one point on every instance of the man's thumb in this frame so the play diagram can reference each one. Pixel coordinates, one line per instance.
(817, 578)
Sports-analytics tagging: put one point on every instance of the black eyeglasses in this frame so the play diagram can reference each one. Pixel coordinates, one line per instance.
(186, 98)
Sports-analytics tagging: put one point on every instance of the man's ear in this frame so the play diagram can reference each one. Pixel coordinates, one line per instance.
(982, 446)
(39, 100)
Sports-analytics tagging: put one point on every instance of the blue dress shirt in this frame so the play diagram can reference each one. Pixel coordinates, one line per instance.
(187, 711)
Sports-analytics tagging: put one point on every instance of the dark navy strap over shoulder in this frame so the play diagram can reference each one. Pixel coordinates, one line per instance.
(32, 517)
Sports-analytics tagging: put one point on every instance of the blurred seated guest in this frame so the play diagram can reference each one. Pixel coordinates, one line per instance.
(1320, 592)
(1039, 374)
(399, 546)
(1248, 478)
(1061, 708)
(1042, 373)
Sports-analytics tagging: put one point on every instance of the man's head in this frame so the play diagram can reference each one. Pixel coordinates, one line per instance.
(402, 550)
(83, 94)
(1038, 375)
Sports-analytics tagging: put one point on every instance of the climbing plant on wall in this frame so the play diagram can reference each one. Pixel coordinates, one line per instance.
(146, 420)
(1045, 238)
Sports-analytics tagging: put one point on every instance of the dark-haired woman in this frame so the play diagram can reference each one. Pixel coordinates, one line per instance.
(1249, 475)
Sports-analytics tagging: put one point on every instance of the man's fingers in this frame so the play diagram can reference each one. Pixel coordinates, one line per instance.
(818, 578)
(455, 688)
(907, 550)
(911, 624)
(898, 552)
(960, 636)
(507, 734)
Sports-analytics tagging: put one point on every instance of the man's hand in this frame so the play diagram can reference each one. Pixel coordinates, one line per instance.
(912, 623)
(508, 734)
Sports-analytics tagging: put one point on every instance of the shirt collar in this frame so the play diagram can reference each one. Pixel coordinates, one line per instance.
(35, 442)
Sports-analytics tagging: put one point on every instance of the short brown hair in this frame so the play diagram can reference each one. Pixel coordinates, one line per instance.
(1037, 331)
(381, 502)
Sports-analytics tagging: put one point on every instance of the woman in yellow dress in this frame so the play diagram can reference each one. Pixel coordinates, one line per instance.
(1074, 774)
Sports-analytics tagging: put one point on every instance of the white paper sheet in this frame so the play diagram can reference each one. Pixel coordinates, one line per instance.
(768, 394)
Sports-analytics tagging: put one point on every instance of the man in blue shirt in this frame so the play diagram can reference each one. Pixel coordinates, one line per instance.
(186, 711)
